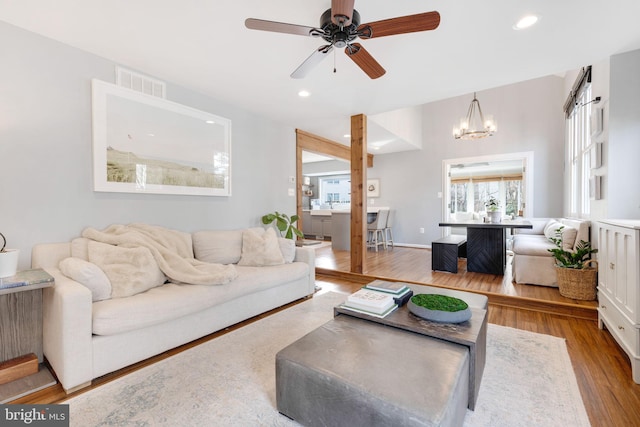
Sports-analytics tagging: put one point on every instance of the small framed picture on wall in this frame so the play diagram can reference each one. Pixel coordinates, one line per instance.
(597, 121)
(373, 188)
(595, 183)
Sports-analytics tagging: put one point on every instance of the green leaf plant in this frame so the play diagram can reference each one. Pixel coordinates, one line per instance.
(284, 224)
(571, 259)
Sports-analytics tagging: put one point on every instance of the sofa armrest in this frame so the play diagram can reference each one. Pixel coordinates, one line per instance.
(308, 255)
(67, 332)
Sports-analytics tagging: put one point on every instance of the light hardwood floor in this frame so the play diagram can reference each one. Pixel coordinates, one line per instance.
(603, 371)
(414, 265)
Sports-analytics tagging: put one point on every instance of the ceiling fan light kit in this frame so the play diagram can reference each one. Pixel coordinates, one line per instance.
(340, 27)
(474, 125)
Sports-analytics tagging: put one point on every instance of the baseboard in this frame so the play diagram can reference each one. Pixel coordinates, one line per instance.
(411, 245)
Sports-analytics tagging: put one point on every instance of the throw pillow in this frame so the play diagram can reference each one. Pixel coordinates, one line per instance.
(80, 248)
(130, 270)
(218, 246)
(260, 250)
(569, 237)
(568, 234)
(288, 249)
(550, 228)
(89, 275)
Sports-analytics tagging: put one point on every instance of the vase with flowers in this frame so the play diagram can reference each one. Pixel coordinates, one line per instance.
(493, 210)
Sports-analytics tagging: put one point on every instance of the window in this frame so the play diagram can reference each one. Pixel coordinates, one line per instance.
(470, 195)
(579, 145)
(335, 188)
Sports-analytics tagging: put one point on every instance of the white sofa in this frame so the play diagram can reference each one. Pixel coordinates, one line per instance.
(532, 262)
(84, 339)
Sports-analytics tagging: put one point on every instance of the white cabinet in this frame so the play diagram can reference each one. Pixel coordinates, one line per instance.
(326, 227)
(321, 226)
(306, 222)
(619, 285)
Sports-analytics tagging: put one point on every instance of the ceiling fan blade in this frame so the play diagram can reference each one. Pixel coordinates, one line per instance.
(364, 60)
(342, 12)
(400, 25)
(281, 27)
(314, 59)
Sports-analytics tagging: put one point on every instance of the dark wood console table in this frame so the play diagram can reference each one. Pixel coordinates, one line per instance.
(486, 243)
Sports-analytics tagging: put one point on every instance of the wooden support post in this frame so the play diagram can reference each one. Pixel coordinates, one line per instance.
(358, 193)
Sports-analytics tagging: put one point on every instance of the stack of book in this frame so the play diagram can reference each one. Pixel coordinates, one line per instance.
(399, 291)
(373, 303)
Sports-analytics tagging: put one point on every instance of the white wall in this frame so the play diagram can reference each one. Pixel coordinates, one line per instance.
(46, 190)
(623, 148)
(530, 118)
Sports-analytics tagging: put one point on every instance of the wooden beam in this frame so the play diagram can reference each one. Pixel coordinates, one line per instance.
(306, 141)
(317, 144)
(299, 178)
(358, 193)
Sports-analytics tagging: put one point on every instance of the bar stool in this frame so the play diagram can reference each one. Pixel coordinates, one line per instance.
(375, 230)
(388, 232)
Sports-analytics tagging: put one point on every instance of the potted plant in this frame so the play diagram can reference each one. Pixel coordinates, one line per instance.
(576, 278)
(284, 224)
(8, 259)
(493, 209)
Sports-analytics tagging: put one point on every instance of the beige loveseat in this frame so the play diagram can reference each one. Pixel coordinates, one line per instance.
(532, 262)
(94, 325)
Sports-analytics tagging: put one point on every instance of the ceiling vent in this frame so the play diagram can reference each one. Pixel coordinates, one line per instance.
(140, 83)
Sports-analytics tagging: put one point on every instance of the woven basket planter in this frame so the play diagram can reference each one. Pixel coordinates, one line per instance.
(577, 283)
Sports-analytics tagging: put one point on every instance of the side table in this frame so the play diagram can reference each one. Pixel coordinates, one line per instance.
(21, 329)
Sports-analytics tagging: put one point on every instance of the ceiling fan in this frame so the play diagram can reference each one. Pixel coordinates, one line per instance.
(340, 26)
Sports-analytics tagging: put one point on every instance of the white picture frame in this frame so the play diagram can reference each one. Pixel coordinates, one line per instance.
(597, 121)
(146, 144)
(373, 188)
(596, 155)
(595, 183)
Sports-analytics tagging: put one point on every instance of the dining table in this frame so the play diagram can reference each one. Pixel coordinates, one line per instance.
(487, 243)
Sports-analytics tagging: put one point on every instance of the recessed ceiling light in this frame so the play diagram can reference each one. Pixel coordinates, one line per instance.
(347, 135)
(210, 122)
(304, 93)
(525, 22)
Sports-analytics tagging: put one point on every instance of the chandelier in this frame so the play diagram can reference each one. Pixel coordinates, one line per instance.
(474, 125)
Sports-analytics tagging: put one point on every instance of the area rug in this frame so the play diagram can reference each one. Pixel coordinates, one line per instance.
(230, 381)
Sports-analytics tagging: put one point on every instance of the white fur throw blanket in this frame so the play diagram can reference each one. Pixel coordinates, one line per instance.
(171, 249)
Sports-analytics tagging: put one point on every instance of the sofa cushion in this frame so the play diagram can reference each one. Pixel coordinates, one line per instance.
(218, 246)
(89, 275)
(130, 270)
(171, 301)
(260, 249)
(532, 244)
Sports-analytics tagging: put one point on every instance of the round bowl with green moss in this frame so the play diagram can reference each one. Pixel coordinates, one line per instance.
(439, 308)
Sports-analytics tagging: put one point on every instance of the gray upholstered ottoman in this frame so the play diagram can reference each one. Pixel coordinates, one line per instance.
(352, 372)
